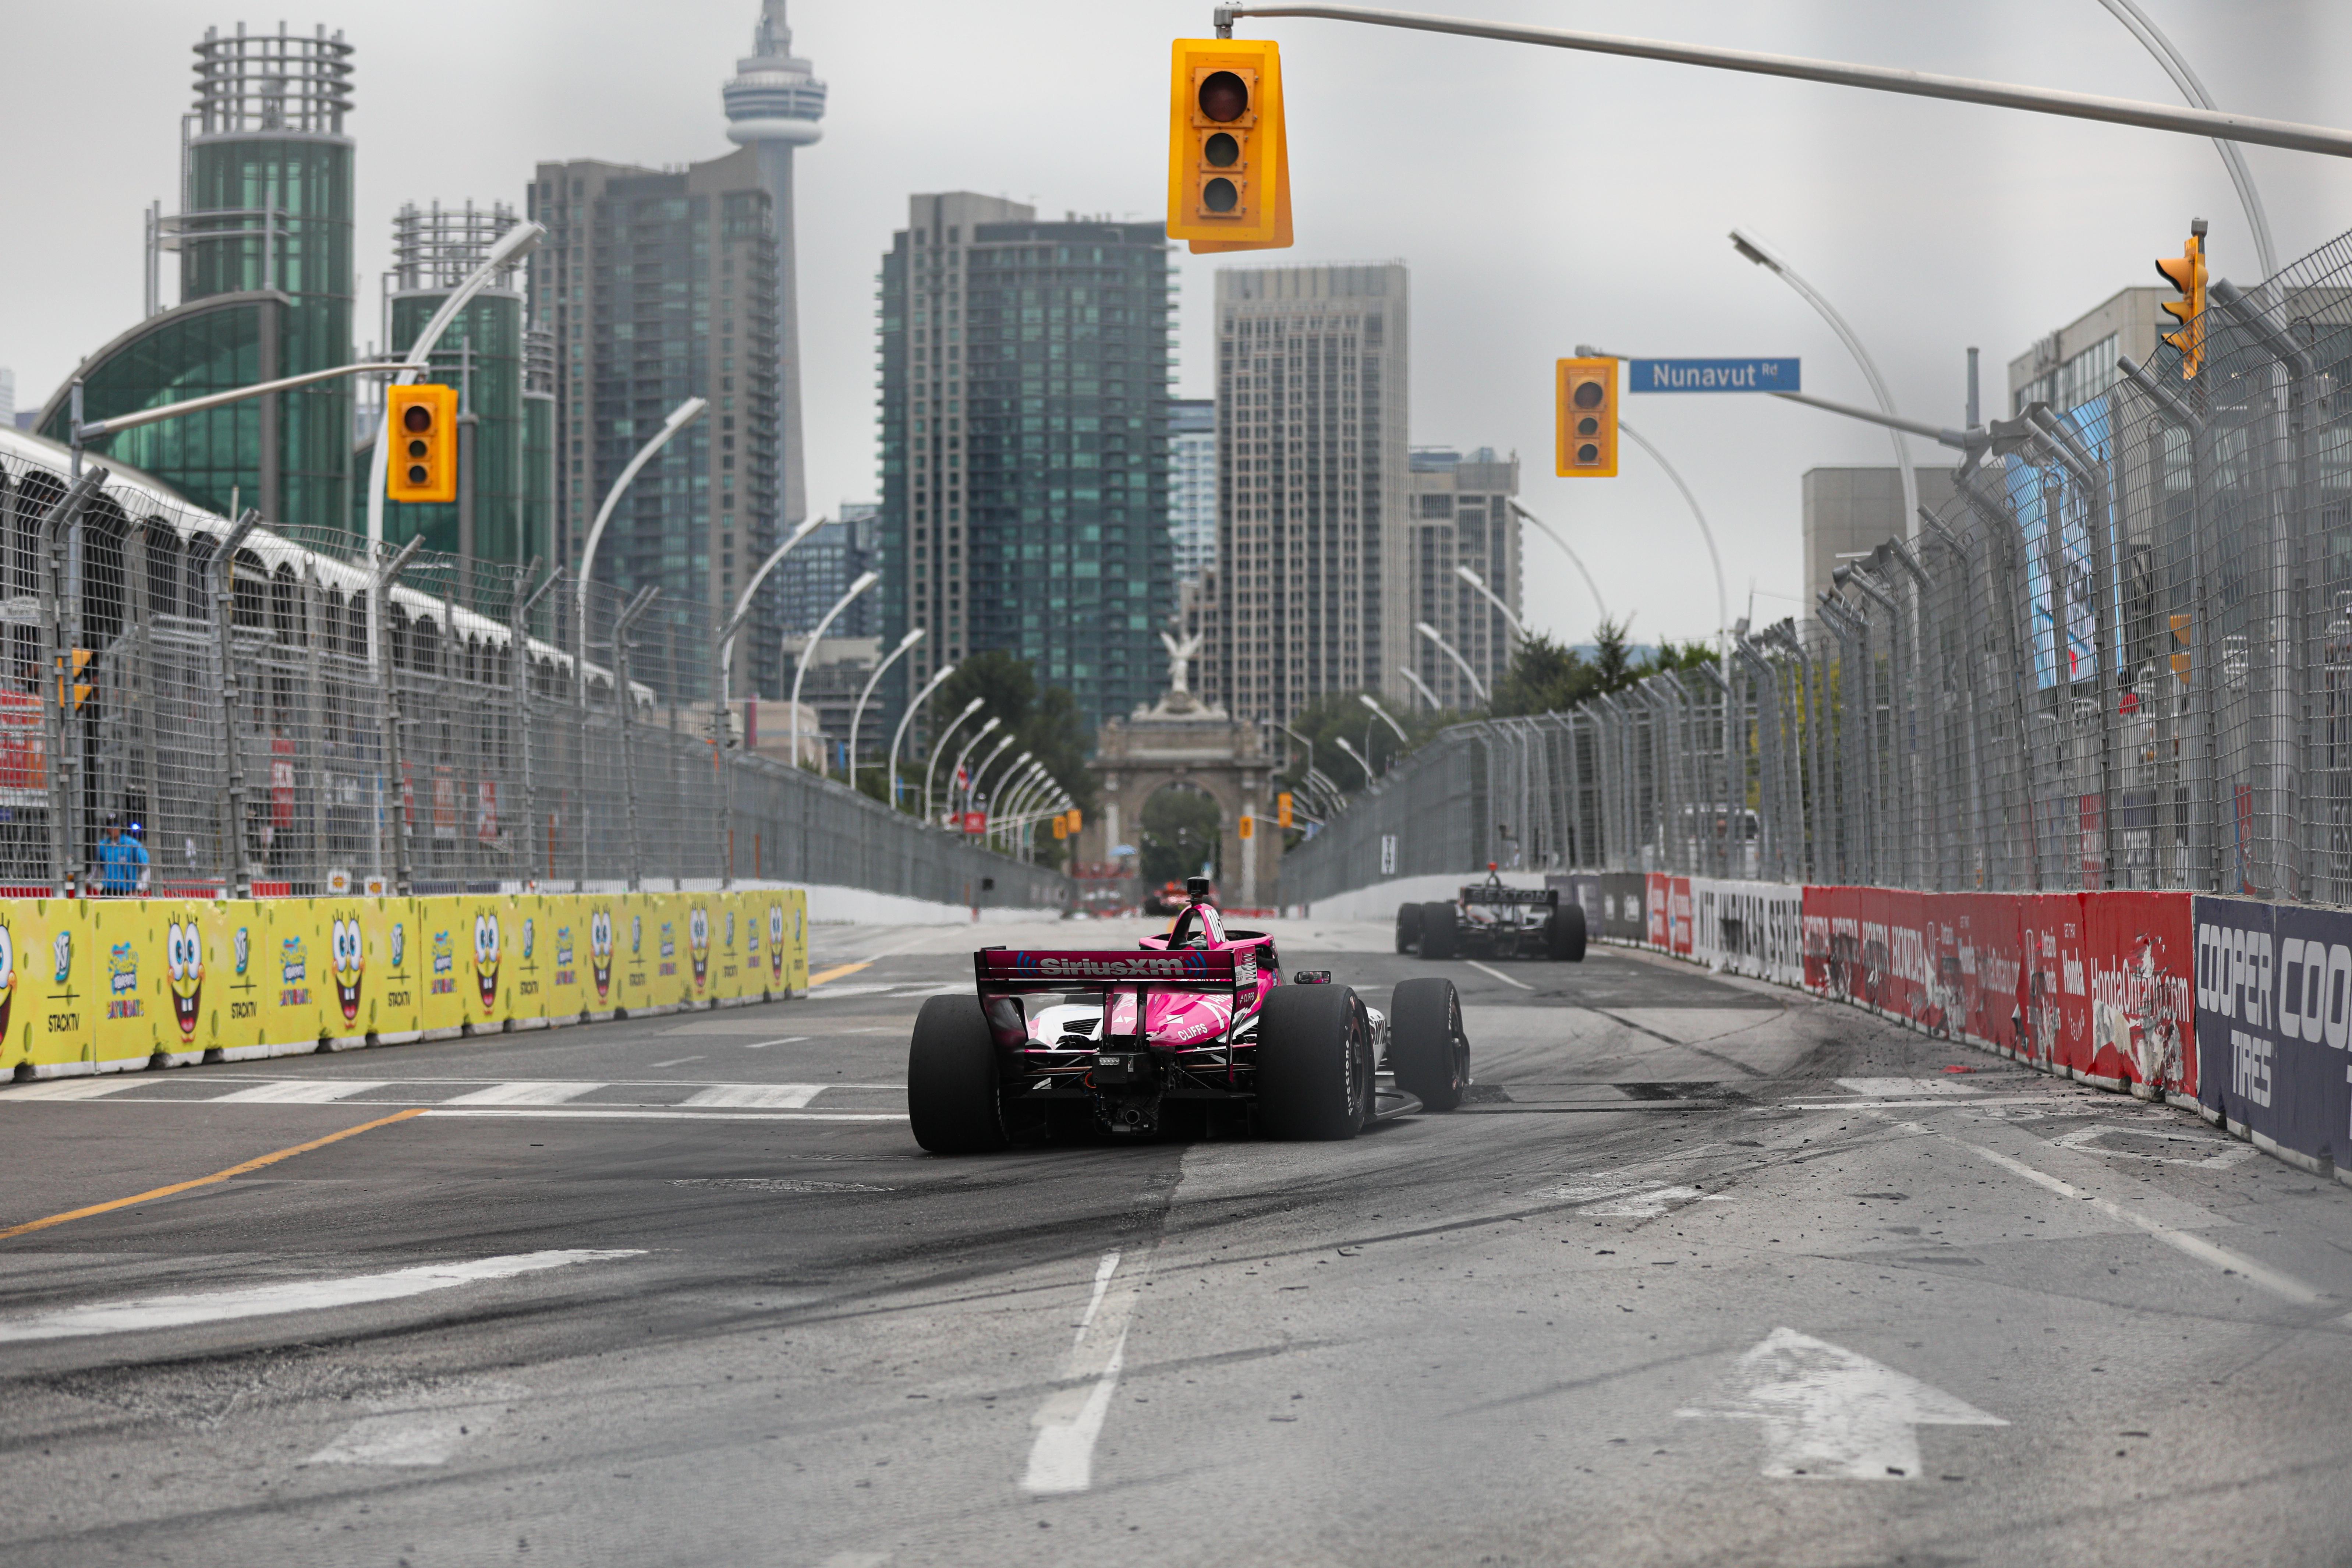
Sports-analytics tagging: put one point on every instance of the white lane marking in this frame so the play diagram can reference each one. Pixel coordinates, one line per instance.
(531, 1093)
(1906, 1088)
(291, 1296)
(2055, 1103)
(761, 1097)
(1103, 1272)
(419, 1432)
(1831, 1414)
(71, 1087)
(2196, 1246)
(298, 1092)
(1062, 1456)
(2227, 1152)
(787, 1040)
(1497, 974)
(591, 1113)
(673, 1062)
(819, 992)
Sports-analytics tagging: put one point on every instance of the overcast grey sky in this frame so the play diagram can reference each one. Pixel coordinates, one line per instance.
(1540, 199)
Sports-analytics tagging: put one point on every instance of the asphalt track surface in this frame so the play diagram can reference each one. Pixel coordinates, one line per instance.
(1705, 1273)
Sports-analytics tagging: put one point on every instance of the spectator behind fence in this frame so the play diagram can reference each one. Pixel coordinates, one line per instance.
(121, 863)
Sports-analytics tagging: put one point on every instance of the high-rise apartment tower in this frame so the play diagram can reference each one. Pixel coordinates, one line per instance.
(1461, 517)
(1193, 486)
(1313, 535)
(1025, 446)
(773, 104)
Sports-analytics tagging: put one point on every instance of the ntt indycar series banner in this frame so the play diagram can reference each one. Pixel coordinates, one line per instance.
(2274, 1022)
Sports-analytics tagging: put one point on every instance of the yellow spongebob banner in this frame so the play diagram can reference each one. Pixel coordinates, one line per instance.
(116, 984)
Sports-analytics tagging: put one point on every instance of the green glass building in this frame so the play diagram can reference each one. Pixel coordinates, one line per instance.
(264, 238)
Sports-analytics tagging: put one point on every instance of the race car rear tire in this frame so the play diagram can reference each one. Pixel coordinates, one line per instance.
(1314, 1075)
(1426, 1045)
(1408, 935)
(1439, 937)
(954, 1099)
(1564, 938)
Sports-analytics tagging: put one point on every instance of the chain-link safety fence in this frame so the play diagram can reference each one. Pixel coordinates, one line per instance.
(271, 727)
(2120, 656)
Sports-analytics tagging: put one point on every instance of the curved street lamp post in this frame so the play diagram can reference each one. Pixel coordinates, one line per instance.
(914, 705)
(801, 667)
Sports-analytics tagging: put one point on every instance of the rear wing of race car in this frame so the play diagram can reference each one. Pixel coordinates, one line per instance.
(1510, 897)
(1004, 973)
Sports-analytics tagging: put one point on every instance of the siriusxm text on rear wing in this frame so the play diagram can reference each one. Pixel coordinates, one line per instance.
(999, 967)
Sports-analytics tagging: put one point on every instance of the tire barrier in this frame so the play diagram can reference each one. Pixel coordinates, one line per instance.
(120, 984)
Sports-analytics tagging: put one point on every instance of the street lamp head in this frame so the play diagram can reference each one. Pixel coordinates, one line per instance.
(1470, 577)
(684, 413)
(912, 638)
(1754, 252)
(972, 707)
(514, 244)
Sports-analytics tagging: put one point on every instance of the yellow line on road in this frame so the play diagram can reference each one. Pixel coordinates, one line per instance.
(837, 971)
(253, 1164)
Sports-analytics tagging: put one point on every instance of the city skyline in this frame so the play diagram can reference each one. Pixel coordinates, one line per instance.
(1859, 191)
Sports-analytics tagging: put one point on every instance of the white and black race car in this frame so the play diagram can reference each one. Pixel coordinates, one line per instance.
(1491, 921)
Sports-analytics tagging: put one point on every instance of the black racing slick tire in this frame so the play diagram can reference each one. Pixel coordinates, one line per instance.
(1427, 1048)
(1408, 935)
(1564, 938)
(954, 1099)
(1314, 1065)
(1439, 938)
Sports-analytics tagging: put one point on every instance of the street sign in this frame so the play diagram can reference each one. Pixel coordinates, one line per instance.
(1715, 375)
(975, 821)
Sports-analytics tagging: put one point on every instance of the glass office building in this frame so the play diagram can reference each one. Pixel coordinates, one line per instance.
(264, 240)
(1025, 446)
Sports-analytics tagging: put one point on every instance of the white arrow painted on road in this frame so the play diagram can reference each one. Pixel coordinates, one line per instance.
(1830, 1413)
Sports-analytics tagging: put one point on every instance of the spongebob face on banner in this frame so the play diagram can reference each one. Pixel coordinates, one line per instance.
(8, 977)
(776, 941)
(347, 946)
(697, 944)
(183, 964)
(486, 957)
(600, 950)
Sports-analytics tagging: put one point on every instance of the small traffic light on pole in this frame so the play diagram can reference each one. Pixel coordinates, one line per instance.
(1585, 397)
(2186, 272)
(1228, 169)
(1283, 815)
(423, 463)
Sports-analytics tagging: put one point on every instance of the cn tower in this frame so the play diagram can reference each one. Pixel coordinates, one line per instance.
(773, 104)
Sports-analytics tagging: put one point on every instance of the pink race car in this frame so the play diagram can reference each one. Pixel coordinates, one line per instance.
(1194, 1024)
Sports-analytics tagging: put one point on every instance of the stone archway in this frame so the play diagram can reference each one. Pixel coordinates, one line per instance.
(1182, 740)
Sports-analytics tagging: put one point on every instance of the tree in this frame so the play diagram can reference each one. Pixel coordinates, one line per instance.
(1180, 830)
(1046, 724)
(1342, 716)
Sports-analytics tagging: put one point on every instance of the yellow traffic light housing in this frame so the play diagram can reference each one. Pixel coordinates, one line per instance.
(1585, 413)
(2186, 272)
(1228, 169)
(1284, 815)
(421, 465)
(1061, 827)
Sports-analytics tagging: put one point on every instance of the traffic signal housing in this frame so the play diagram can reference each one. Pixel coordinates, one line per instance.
(2186, 272)
(1228, 168)
(1585, 413)
(421, 465)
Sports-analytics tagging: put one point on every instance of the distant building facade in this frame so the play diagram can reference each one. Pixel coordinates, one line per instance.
(2077, 362)
(1850, 513)
(1313, 576)
(659, 287)
(1193, 486)
(820, 570)
(1461, 517)
(1024, 446)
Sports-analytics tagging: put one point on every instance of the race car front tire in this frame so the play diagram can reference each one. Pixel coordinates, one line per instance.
(954, 1099)
(1439, 936)
(1314, 1078)
(1408, 932)
(1426, 1045)
(1564, 938)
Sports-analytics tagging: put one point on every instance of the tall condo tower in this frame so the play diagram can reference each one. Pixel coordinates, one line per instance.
(773, 104)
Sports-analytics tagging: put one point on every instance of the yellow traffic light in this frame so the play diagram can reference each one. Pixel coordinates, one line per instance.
(81, 688)
(1228, 170)
(1249, 826)
(1585, 418)
(421, 465)
(2186, 272)
(1076, 821)
(1282, 813)
(1061, 827)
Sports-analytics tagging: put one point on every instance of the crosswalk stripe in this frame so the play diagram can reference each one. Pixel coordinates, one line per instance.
(525, 1094)
(72, 1088)
(757, 1097)
(298, 1092)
